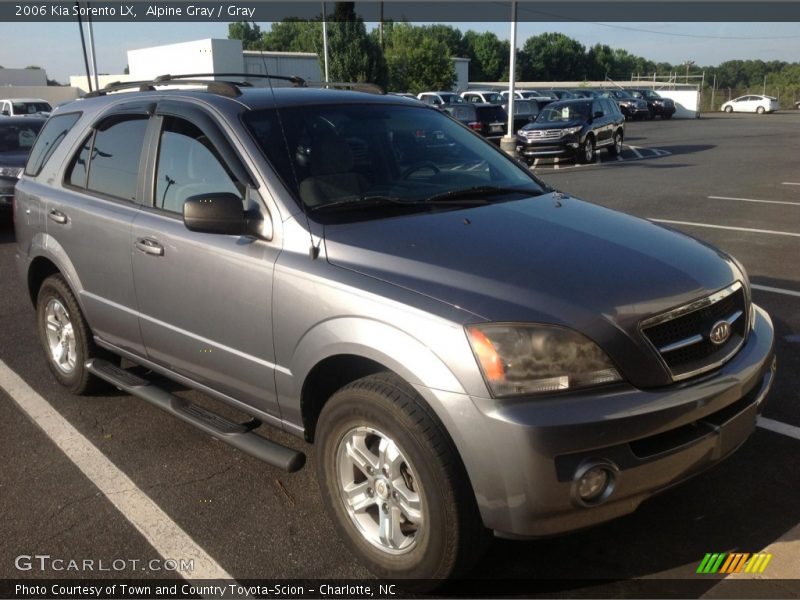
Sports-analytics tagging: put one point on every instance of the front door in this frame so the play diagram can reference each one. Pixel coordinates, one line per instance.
(204, 299)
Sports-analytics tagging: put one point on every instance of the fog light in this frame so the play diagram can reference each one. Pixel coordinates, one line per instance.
(594, 482)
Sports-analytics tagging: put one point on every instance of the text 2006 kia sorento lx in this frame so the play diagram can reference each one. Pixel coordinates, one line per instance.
(469, 350)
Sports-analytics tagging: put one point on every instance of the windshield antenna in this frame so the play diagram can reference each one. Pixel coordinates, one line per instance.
(313, 250)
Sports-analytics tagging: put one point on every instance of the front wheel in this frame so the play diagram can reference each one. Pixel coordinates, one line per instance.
(728, 109)
(393, 484)
(586, 151)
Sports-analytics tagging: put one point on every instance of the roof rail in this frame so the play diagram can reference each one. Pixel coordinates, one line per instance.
(356, 86)
(223, 88)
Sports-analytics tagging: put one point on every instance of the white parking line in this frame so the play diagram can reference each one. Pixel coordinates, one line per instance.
(731, 228)
(774, 290)
(753, 200)
(791, 183)
(778, 427)
(636, 151)
(169, 540)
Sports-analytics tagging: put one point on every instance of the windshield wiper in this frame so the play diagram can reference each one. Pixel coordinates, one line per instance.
(478, 194)
(365, 202)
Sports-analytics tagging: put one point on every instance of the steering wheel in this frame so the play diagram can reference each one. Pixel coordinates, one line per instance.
(418, 167)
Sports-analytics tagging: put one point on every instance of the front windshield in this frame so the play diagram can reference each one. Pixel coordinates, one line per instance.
(452, 99)
(341, 153)
(493, 98)
(563, 113)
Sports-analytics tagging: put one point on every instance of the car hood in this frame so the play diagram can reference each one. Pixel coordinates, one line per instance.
(548, 259)
(559, 125)
(13, 159)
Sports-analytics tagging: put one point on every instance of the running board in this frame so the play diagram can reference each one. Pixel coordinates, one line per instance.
(238, 435)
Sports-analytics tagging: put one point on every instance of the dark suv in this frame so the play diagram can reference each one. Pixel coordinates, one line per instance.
(656, 104)
(469, 350)
(573, 128)
(632, 108)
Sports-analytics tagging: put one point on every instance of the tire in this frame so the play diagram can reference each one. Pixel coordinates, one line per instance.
(760, 110)
(62, 326)
(728, 109)
(666, 116)
(586, 152)
(426, 490)
(615, 148)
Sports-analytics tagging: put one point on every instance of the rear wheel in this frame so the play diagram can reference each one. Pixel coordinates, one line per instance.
(393, 484)
(586, 151)
(65, 336)
(615, 148)
(760, 110)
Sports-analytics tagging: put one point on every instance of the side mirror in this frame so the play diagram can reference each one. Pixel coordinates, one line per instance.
(222, 213)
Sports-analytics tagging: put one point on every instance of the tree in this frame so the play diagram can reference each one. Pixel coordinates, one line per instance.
(554, 57)
(416, 60)
(294, 35)
(352, 54)
(488, 56)
(250, 34)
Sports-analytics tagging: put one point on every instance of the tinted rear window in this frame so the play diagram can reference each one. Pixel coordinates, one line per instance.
(492, 113)
(18, 137)
(114, 166)
(51, 135)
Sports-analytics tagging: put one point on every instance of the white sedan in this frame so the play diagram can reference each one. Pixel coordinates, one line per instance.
(751, 103)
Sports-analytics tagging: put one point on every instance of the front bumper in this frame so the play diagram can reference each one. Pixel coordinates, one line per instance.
(566, 146)
(522, 455)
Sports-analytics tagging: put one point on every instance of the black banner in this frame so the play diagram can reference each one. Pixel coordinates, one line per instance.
(413, 11)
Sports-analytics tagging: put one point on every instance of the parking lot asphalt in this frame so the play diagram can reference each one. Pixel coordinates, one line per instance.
(259, 522)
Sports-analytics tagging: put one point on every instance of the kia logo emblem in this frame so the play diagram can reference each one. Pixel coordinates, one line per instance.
(720, 332)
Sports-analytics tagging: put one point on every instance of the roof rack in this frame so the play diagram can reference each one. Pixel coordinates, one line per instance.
(227, 88)
(356, 86)
(224, 88)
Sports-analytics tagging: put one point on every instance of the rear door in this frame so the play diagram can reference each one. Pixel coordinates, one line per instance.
(91, 216)
(204, 299)
(601, 124)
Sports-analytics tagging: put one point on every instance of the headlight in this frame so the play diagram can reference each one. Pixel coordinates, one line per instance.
(571, 130)
(14, 172)
(529, 359)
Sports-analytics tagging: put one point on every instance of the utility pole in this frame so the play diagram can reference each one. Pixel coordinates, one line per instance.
(380, 27)
(83, 46)
(325, 40)
(509, 142)
(764, 93)
(92, 51)
(713, 90)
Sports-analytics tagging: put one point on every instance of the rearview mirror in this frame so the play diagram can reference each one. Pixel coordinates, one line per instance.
(222, 213)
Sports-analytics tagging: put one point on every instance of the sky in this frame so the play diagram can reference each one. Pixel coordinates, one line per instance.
(56, 47)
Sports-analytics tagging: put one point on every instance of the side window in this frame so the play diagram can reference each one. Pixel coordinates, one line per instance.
(51, 135)
(76, 175)
(188, 165)
(114, 157)
(597, 107)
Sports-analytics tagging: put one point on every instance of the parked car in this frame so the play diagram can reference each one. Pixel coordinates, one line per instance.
(483, 97)
(466, 114)
(564, 94)
(469, 350)
(751, 103)
(797, 105)
(525, 111)
(586, 93)
(528, 95)
(632, 108)
(403, 95)
(17, 107)
(17, 135)
(440, 98)
(656, 104)
(573, 128)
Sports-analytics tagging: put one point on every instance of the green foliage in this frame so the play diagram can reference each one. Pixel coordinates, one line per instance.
(294, 35)
(250, 34)
(488, 56)
(417, 61)
(352, 54)
(553, 57)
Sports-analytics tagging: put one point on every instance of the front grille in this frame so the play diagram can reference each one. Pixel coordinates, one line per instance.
(541, 134)
(683, 336)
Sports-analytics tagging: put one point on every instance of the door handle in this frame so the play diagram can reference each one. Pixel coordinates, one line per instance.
(57, 216)
(149, 246)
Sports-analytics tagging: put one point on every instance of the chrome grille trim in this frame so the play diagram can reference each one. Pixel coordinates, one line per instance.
(686, 309)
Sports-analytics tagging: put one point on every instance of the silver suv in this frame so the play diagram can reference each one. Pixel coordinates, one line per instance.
(469, 350)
